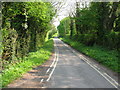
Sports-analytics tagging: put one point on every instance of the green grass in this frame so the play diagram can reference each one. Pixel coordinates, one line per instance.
(34, 59)
(108, 58)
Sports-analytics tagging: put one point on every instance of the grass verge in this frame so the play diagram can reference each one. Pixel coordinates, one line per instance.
(34, 59)
(108, 58)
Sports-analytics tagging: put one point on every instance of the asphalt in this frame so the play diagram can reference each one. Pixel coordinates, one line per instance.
(66, 68)
(73, 72)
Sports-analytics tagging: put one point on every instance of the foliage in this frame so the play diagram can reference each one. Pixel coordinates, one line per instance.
(14, 71)
(24, 28)
(55, 35)
(97, 32)
(52, 32)
(64, 26)
(96, 24)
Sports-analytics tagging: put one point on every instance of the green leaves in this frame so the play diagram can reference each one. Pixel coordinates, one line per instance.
(64, 27)
(40, 10)
(34, 59)
(20, 41)
(30, 23)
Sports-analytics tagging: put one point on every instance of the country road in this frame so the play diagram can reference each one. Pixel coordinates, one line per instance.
(66, 69)
(54, 44)
(73, 72)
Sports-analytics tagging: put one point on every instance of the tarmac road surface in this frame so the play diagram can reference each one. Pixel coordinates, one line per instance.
(73, 72)
(66, 68)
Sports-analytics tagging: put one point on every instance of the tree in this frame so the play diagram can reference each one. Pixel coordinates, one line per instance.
(24, 28)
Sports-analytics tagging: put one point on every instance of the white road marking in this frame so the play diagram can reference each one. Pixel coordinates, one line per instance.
(41, 80)
(88, 62)
(55, 55)
(102, 75)
(52, 71)
(48, 70)
(51, 64)
(54, 65)
(54, 60)
(111, 78)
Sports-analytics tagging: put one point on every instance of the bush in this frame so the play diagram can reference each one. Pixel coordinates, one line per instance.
(34, 59)
(113, 40)
(51, 33)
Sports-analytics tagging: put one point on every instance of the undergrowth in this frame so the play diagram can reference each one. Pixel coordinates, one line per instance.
(34, 59)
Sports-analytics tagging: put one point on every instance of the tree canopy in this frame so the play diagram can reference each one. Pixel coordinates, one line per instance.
(24, 27)
(96, 24)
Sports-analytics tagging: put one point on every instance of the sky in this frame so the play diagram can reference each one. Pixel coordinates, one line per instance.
(64, 11)
(68, 6)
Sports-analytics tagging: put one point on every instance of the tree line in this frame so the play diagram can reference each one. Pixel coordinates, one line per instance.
(24, 28)
(96, 24)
